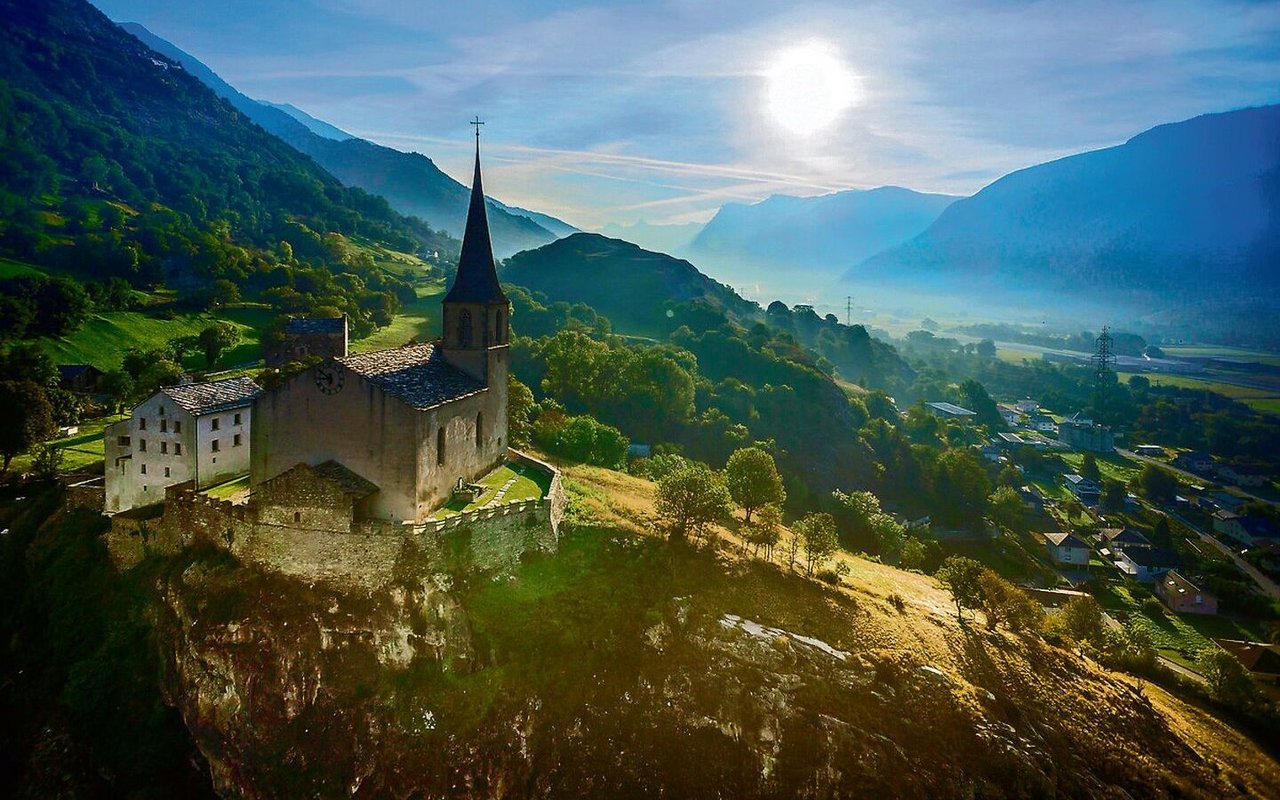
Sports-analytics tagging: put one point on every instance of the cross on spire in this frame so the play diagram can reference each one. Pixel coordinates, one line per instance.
(477, 123)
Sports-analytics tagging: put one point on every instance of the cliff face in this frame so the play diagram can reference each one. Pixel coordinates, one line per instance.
(622, 668)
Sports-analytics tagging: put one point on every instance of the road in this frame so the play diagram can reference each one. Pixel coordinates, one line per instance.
(1112, 622)
(1268, 586)
(1191, 475)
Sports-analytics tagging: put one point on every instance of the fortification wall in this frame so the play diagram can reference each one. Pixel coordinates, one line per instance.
(368, 556)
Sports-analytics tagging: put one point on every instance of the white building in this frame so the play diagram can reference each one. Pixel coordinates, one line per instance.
(191, 432)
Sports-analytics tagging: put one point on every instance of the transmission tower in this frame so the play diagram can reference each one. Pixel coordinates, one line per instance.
(1104, 361)
(848, 310)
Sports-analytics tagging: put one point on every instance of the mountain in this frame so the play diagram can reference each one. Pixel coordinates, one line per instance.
(631, 286)
(808, 236)
(317, 126)
(410, 182)
(673, 239)
(117, 162)
(1140, 224)
(558, 227)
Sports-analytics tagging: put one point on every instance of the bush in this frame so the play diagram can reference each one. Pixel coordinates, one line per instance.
(828, 575)
(897, 602)
(1152, 607)
(1008, 605)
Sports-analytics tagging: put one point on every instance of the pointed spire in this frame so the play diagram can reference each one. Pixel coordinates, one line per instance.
(477, 280)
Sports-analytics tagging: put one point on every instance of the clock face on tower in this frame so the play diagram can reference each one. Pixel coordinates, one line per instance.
(328, 378)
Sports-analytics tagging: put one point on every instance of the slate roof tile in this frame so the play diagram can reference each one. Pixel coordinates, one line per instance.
(416, 374)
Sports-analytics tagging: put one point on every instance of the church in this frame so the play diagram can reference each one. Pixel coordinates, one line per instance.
(409, 423)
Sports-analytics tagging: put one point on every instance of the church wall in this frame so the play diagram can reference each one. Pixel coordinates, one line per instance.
(299, 499)
(371, 434)
(462, 457)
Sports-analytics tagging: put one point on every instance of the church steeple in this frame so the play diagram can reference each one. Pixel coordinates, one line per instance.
(477, 280)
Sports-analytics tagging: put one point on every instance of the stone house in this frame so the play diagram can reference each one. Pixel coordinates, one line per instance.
(1184, 597)
(298, 339)
(412, 421)
(1085, 490)
(197, 432)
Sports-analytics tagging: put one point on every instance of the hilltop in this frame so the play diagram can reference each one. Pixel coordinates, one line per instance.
(620, 664)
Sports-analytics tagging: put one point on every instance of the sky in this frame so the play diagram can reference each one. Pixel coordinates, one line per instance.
(661, 111)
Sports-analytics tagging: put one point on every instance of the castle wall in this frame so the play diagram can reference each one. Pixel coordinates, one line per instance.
(298, 498)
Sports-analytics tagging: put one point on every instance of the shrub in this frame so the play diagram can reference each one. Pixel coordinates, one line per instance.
(1152, 607)
(1008, 605)
(897, 602)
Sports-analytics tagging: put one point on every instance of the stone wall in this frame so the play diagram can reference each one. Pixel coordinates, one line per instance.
(367, 556)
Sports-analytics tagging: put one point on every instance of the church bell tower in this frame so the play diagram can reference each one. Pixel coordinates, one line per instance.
(477, 315)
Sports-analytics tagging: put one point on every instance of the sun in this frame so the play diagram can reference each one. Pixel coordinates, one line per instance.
(808, 87)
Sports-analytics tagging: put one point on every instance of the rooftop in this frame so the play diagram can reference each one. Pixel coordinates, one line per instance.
(1176, 582)
(210, 397)
(416, 374)
(1151, 557)
(951, 409)
(347, 481)
(1124, 536)
(1065, 540)
(305, 325)
(1256, 656)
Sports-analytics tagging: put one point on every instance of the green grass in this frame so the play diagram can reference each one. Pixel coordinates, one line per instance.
(1260, 399)
(1180, 635)
(14, 269)
(1222, 351)
(103, 338)
(229, 489)
(1112, 466)
(530, 484)
(80, 450)
(418, 321)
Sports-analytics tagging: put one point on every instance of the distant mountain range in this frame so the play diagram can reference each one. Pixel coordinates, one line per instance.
(1185, 215)
(410, 182)
(674, 239)
(815, 236)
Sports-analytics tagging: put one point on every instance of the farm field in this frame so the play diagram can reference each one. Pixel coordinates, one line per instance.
(418, 321)
(1261, 399)
(1222, 351)
(79, 450)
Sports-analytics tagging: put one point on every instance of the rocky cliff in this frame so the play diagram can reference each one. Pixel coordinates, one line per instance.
(623, 668)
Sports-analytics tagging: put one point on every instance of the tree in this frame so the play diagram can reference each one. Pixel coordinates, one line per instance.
(1006, 604)
(817, 532)
(913, 552)
(867, 521)
(29, 422)
(1007, 509)
(690, 500)
(1010, 476)
(118, 385)
(765, 530)
(961, 575)
(1227, 678)
(1157, 485)
(519, 411)
(1089, 468)
(753, 480)
(1113, 497)
(216, 339)
(1161, 535)
(986, 349)
(1081, 619)
(961, 488)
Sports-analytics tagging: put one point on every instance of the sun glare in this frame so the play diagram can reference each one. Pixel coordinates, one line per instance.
(808, 87)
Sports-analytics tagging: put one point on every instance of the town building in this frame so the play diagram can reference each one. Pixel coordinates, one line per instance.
(1182, 596)
(1250, 475)
(1262, 660)
(1150, 450)
(950, 411)
(414, 422)
(79, 378)
(1084, 489)
(307, 337)
(1194, 461)
(1146, 564)
(1080, 433)
(198, 432)
(1027, 406)
(1067, 548)
(1123, 538)
(1245, 530)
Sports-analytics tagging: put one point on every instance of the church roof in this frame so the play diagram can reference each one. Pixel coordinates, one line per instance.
(347, 481)
(477, 278)
(416, 374)
(209, 397)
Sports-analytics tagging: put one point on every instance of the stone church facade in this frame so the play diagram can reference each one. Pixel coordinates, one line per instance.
(413, 421)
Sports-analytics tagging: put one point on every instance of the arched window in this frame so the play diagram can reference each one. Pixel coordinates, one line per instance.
(502, 332)
(464, 329)
(440, 445)
(479, 429)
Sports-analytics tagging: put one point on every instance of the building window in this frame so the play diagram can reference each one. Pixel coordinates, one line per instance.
(142, 445)
(215, 423)
(166, 472)
(237, 419)
(142, 423)
(479, 429)
(164, 426)
(144, 468)
(162, 412)
(440, 445)
(177, 426)
(297, 516)
(177, 449)
(214, 445)
(464, 329)
(164, 447)
(235, 440)
(123, 441)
